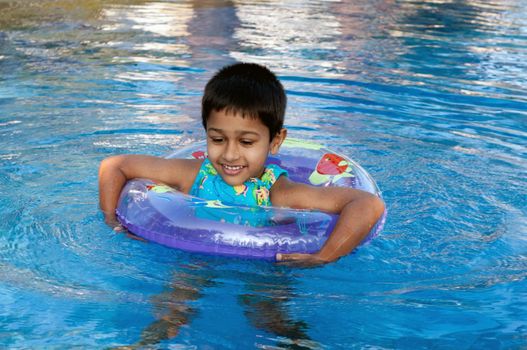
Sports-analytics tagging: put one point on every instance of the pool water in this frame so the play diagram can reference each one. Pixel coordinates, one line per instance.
(429, 96)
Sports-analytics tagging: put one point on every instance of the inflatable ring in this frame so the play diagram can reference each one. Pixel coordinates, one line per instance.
(161, 214)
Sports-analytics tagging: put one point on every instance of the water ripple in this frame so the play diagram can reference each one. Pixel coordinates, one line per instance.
(428, 95)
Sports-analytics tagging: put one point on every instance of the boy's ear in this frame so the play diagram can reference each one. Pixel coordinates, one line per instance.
(277, 141)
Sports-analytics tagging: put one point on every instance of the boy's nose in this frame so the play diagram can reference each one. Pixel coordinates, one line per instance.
(231, 152)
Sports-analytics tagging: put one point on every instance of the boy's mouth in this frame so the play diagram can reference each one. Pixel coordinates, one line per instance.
(232, 169)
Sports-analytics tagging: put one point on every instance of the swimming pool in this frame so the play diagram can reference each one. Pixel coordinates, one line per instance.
(429, 96)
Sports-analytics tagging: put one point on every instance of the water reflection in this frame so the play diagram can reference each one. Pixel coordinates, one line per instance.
(159, 18)
(327, 37)
(430, 95)
(289, 29)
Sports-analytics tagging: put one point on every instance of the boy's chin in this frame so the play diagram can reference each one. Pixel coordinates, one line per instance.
(234, 181)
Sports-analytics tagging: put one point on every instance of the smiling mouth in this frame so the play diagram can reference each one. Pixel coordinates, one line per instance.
(232, 169)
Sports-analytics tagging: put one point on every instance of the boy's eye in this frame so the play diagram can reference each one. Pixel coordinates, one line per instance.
(246, 142)
(216, 139)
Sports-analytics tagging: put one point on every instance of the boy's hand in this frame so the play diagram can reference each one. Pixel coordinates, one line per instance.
(300, 259)
(117, 227)
(111, 221)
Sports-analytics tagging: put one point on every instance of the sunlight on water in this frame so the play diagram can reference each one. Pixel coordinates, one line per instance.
(429, 96)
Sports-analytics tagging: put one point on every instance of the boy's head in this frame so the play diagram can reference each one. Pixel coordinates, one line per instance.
(249, 90)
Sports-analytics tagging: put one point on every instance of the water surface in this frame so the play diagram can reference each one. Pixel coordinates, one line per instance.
(429, 96)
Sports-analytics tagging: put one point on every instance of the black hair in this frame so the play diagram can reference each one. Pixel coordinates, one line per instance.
(249, 89)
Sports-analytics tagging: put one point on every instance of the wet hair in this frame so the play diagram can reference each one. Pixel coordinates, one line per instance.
(248, 89)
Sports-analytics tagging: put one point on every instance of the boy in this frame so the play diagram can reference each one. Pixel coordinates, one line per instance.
(243, 110)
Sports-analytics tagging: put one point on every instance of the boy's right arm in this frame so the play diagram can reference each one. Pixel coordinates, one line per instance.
(115, 171)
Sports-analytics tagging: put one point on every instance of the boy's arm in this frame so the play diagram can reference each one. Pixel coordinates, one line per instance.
(359, 211)
(115, 171)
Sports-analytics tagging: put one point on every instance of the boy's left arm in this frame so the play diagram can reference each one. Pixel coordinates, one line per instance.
(359, 211)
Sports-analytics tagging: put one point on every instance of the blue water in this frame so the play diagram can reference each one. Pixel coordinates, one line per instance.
(429, 96)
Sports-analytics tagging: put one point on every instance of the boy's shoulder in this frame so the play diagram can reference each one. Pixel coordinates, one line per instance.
(183, 172)
(183, 163)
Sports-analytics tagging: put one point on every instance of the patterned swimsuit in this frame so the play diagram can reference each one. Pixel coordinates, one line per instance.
(253, 192)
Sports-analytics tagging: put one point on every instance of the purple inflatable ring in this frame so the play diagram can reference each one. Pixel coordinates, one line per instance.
(161, 214)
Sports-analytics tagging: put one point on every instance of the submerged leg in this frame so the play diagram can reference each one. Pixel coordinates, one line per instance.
(266, 308)
(171, 308)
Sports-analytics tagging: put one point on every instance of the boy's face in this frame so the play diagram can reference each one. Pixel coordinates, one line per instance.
(238, 147)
